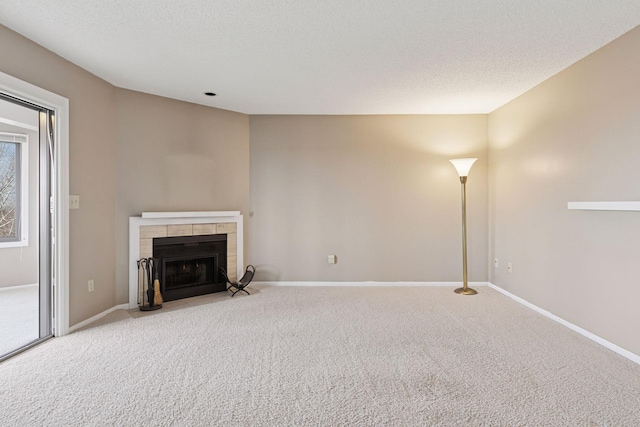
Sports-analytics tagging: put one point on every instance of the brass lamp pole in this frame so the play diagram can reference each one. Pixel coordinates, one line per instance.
(463, 166)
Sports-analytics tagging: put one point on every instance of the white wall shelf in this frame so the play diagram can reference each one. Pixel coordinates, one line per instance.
(604, 206)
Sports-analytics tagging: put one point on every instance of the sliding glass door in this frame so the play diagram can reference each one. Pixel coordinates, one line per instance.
(26, 148)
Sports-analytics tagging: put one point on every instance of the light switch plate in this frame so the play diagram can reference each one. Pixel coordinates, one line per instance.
(74, 201)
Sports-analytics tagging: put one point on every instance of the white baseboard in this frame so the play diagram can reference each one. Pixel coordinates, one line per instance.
(611, 346)
(97, 316)
(371, 284)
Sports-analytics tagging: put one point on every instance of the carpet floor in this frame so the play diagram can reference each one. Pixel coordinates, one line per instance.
(324, 356)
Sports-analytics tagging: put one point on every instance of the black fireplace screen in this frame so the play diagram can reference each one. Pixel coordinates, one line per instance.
(181, 272)
(189, 265)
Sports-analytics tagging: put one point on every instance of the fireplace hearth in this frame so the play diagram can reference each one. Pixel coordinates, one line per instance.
(189, 265)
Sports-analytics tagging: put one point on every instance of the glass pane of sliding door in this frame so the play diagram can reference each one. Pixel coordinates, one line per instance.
(25, 226)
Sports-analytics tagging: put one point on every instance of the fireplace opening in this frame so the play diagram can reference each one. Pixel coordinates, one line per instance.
(183, 272)
(189, 265)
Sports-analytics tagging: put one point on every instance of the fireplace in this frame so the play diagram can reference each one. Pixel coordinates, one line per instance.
(152, 226)
(189, 265)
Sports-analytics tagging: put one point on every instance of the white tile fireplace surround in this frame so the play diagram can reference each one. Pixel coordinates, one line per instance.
(143, 229)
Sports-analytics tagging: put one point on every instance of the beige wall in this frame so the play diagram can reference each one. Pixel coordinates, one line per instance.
(575, 137)
(92, 166)
(377, 191)
(176, 156)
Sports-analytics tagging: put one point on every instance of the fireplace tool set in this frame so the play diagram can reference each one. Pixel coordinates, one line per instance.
(147, 268)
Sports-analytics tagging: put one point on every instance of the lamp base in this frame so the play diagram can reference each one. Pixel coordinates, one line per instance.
(465, 291)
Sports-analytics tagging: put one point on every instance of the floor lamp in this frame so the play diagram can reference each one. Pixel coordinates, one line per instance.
(463, 166)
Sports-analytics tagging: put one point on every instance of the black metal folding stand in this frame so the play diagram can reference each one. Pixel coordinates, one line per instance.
(241, 284)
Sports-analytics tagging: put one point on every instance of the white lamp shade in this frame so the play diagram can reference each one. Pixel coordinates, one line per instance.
(463, 166)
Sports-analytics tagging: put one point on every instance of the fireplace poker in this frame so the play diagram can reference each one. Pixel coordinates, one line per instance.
(149, 285)
(140, 285)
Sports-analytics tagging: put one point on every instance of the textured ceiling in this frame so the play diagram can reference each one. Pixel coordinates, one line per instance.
(329, 56)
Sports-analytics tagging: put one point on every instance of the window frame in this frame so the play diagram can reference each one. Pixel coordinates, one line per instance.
(22, 189)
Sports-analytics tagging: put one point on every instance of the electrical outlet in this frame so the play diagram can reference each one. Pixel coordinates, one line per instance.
(74, 201)
(495, 263)
(509, 268)
(92, 285)
(332, 259)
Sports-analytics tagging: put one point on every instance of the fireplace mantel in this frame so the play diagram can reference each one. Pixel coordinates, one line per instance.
(201, 214)
(180, 224)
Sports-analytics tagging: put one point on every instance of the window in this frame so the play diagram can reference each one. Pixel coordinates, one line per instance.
(13, 189)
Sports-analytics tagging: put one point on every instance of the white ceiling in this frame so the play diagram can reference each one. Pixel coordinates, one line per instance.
(325, 56)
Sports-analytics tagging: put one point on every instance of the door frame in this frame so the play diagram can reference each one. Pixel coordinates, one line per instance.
(60, 251)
